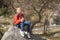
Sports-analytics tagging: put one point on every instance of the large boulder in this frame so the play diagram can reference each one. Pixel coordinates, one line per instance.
(13, 34)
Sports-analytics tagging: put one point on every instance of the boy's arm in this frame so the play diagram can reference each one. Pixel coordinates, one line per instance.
(21, 20)
(16, 21)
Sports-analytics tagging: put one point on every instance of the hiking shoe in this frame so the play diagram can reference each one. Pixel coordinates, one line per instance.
(22, 33)
(26, 32)
(28, 35)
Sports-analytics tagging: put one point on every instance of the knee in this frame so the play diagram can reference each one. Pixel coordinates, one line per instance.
(21, 24)
(28, 22)
(17, 25)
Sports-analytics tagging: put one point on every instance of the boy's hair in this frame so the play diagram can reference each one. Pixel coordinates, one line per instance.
(18, 8)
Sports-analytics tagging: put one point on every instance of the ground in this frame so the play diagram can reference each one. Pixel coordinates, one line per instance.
(13, 34)
(53, 32)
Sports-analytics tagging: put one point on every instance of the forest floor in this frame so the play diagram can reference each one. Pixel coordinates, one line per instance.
(53, 32)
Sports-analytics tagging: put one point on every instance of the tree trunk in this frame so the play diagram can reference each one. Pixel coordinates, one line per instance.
(32, 25)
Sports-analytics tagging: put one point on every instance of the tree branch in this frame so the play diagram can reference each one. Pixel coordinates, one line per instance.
(43, 6)
(34, 8)
(12, 6)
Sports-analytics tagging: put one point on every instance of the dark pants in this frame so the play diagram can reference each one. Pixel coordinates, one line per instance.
(22, 24)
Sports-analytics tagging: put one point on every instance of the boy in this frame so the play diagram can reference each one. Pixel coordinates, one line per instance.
(19, 21)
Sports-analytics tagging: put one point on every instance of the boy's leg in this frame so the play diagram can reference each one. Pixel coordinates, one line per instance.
(28, 28)
(27, 23)
(18, 25)
(22, 29)
(22, 26)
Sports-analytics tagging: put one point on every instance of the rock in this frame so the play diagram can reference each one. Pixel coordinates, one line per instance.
(13, 34)
(56, 35)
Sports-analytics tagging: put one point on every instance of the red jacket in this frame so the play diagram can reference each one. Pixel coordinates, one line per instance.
(18, 17)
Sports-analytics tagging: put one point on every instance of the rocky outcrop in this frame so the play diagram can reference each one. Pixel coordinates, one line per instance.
(13, 34)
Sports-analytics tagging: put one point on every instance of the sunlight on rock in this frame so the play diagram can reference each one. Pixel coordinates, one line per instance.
(56, 35)
(5, 27)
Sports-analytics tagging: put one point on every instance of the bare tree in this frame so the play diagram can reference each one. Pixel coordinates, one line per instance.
(37, 5)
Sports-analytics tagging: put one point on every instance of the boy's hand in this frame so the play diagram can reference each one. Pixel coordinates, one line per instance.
(22, 19)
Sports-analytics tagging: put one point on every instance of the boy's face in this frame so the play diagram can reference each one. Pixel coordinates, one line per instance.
(18, 10)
